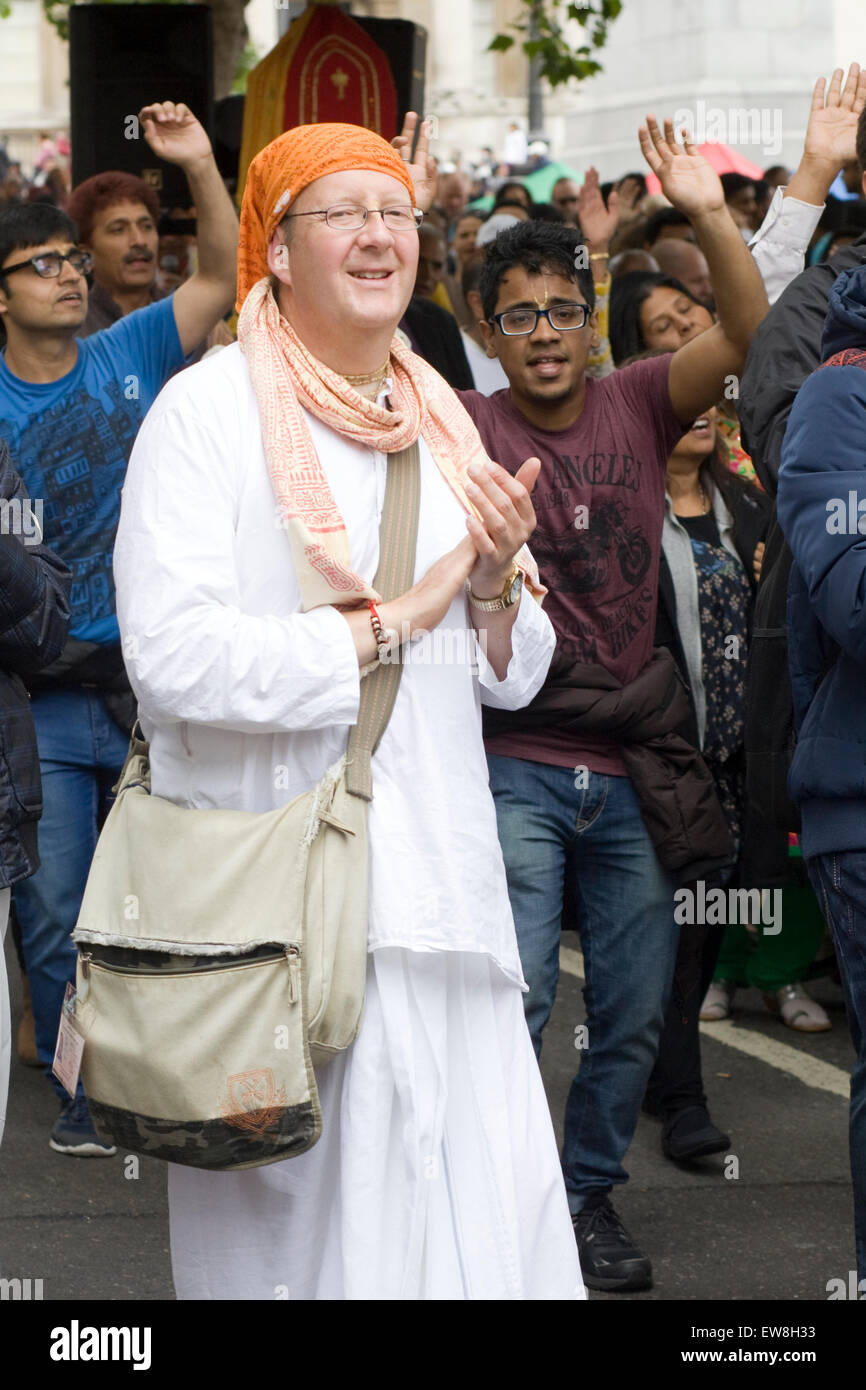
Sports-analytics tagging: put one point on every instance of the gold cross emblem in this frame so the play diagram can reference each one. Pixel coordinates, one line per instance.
(340, 80)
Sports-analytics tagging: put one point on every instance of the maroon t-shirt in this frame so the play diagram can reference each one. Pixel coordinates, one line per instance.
(599, 501)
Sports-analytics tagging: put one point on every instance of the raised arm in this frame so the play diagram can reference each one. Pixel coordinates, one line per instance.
(787, 346)
(700, 368)
(831, 135)
(598, 223)
(779, 246)
(174, 134)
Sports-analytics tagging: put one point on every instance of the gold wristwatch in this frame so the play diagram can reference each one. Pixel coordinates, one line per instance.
(510, 594)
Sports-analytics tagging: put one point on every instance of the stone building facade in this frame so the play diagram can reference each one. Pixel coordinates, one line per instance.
(744, 68)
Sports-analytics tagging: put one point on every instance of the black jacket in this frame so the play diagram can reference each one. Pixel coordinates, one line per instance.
(785, 349)
(435, 336)
(649, 718)
(34, 617)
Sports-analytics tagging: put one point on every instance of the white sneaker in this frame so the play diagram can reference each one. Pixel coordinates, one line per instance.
(717, 1001)
(798, 1009)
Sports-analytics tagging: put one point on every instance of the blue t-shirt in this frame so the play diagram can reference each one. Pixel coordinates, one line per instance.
(71, 439)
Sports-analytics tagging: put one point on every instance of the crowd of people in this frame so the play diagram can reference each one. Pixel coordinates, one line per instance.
(616, 384)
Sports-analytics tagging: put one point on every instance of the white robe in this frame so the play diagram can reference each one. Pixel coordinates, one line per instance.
(437, 1174)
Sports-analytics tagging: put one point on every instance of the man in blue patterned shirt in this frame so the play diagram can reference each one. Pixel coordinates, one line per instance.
(70, 410)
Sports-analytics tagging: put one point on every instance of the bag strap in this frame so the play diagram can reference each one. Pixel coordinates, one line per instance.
(398, 534)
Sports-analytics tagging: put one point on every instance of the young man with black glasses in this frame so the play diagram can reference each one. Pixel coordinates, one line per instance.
(69, 411)
(577, 777)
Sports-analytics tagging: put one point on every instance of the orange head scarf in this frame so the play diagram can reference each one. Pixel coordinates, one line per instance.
(285, 166)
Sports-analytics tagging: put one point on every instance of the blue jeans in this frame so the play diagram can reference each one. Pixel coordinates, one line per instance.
(81, 753)
(839, 881)
(594, 839)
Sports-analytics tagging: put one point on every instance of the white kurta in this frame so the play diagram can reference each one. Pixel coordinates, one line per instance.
(437, 1173)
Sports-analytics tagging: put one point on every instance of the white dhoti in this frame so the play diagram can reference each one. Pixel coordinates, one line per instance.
(436, 1175)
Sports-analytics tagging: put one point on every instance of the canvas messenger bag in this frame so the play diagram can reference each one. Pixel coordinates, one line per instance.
(223, 954)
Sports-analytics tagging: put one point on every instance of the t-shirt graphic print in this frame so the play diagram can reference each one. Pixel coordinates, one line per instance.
(599, 503)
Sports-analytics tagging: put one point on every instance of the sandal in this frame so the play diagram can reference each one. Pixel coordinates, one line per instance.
(798, 1009)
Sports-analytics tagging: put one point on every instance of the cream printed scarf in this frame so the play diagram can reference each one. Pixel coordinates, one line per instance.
(287, 380)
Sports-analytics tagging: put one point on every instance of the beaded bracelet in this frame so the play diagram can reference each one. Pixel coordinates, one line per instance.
(383, 642)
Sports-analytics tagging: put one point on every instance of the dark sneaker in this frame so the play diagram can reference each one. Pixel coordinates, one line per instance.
(609, 1258)
(692, 1134)
(73, 1132)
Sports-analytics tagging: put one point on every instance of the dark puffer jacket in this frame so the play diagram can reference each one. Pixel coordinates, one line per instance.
(786, 347)
(822, 485)
(34, 617)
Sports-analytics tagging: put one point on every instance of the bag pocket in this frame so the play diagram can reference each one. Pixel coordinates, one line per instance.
(199, 1060)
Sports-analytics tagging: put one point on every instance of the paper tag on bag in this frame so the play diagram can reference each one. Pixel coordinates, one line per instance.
(70, 1045)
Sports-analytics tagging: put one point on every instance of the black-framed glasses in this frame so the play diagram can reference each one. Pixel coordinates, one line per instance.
(48, 264)
(349, 217)
(519, 323)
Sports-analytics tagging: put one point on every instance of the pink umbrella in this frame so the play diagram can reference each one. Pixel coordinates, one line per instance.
(722, 158)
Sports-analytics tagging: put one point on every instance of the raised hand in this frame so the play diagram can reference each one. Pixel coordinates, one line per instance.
(424, 170)
(630, 194)
(831, 134)
(687, 180)
(173, 133)
(597, 222)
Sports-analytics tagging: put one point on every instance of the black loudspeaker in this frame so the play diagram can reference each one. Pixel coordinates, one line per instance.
(121, 58)
(405, 46)
(228, 133)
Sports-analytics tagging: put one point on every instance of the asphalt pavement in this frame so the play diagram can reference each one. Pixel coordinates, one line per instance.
(774, 1224)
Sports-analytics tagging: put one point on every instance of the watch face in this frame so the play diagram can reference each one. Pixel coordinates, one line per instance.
(514, 591)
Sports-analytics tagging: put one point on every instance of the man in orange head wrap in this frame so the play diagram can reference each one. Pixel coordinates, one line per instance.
(436, 1175)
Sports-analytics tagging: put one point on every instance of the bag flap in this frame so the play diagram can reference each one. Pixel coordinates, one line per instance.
(164, 877)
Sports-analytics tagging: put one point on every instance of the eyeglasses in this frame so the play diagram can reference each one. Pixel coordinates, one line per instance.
(48, 264)
(518, 323)
(348, 217)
